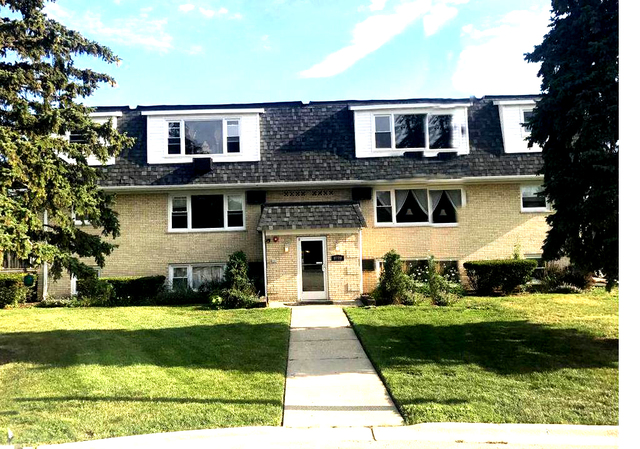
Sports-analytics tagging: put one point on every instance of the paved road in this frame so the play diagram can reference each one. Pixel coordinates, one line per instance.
(330, 380)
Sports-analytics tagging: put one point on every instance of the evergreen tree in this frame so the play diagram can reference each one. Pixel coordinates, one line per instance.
(576, 124)
(42, 174)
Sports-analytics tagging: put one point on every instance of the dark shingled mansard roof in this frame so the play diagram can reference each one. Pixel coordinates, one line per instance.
(337, 214)
(302, 143)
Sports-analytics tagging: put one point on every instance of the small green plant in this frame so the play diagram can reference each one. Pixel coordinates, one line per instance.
(93, 291)
(394, 286)
(517, 251)
(430, 282)
(555, 276)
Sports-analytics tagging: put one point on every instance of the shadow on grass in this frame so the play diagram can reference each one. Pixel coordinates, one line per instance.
(240, 346)
(503, 347)
(160, 400)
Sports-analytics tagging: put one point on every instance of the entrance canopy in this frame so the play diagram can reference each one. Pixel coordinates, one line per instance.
(337, 214)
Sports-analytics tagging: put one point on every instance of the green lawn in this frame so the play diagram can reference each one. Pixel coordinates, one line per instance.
(528, 359)
(88, 373)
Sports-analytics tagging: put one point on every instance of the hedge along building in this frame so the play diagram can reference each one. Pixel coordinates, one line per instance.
(315, 194)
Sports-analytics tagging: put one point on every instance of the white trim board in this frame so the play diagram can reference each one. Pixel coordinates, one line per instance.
(313, 184)
(171, 112)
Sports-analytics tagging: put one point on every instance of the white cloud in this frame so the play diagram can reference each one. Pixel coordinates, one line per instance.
(494, 62)
(375, 31)
(147, 9)
(132, 31)
(209, 13)
(195, 50)
(186, 7)
(266, 43)
(377, 5)
(437, 18)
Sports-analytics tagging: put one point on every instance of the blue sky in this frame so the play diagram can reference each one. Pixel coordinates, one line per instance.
(233, 51)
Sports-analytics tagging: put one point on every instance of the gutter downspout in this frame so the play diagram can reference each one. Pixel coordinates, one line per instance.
(361, 276)
(264, 265)
(45, 265)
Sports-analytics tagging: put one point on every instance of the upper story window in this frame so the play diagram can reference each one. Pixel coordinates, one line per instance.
(230, 135)
(213, 136)
(78, 137)
(532, 199)
(514, 119)
(206, 212)
(413, 131)
(390, 130)
(527, 114)
(417, 206)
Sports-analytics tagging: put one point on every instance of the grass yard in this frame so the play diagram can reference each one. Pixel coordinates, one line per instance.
(88, 373)
(529, 359)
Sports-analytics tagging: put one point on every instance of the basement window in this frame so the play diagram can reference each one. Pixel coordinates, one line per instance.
(194, 276)
(206, 212)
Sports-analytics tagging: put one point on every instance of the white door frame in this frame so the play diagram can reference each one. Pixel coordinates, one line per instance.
(323, 295)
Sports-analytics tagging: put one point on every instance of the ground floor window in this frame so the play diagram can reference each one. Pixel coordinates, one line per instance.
(416, 206)
(193, 276)
(538, 273)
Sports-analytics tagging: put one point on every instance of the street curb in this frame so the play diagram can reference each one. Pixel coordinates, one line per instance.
(528, 434)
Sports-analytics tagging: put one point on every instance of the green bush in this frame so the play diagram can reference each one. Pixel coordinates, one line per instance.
(555, 276)
(238, 291)
(430, 282)
(93, 291)
(59, 302)
(135, 290)
(12, 289)
(488, 276)
(394, 286)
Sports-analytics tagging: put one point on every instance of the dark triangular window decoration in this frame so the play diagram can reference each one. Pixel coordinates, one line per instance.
(411, 212)
(444, 212)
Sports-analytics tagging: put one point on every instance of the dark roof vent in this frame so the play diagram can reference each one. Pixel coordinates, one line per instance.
(202, 165)
(413, 154)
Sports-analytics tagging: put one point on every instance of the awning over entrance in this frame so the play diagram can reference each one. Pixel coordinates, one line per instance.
(337, 214)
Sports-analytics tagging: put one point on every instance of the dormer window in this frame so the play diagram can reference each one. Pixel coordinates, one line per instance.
(527, 114)
(394, 129)
(203, 136)
(223, 135)
(412, 131)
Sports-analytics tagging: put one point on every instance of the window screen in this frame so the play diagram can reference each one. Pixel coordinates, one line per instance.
(384, 212)
(203, 136)
(179, 213)
(383, 131)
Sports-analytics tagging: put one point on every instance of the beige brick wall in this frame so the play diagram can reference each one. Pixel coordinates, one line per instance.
(146, 247)
(343, 276)
(490, 226)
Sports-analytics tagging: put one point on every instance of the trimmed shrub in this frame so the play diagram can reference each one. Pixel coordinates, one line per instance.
(394, 286)
(488, 276)
(93, 291)
(12, 289)
(59, 302)
(179, 297)
(135, 290)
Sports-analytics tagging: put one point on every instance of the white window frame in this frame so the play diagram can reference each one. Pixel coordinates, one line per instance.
(393, 148)
(76, 221)
(393, 224)
(73, 286)
(181, 120)
(526, 210)
(523, 130)
(225, 201)
(99, 118)
(189, 267)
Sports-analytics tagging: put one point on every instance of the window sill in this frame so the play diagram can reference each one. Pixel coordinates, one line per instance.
(536, 210)
(414, 225)
(197, 231)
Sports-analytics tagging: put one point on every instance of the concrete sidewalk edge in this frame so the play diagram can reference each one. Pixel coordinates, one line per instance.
(541, 434)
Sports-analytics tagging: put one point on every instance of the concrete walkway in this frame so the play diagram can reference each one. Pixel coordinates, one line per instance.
(330, 380)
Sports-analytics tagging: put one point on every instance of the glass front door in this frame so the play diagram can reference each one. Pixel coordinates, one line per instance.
(312, 268)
